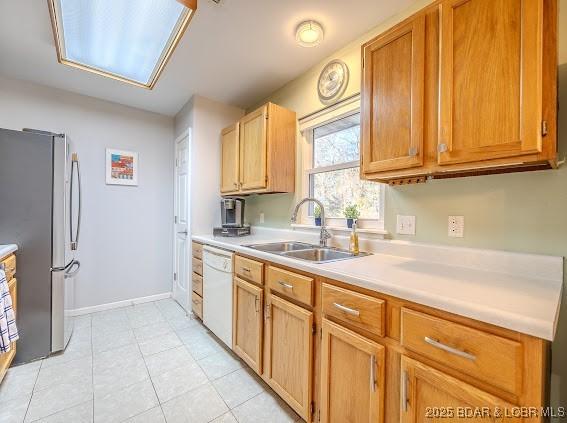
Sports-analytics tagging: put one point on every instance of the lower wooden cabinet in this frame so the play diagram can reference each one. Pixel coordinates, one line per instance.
(288, 368)
(247, 323)
(430, 395)
(352, 376)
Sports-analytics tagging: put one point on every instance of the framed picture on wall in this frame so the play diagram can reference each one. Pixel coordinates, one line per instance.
(121, 167)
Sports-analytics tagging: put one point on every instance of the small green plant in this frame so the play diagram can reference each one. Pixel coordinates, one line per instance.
(317, 212)
(351, 212)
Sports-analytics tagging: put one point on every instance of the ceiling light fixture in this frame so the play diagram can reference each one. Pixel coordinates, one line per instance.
(309, 33)
(126, 40)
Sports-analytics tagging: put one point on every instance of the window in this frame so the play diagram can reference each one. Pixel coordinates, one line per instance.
(127, 40)
(333, 171)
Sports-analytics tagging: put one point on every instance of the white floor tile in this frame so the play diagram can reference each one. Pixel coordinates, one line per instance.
(82, 413)
(159, 344)
(118, 375)
(154, 330)
(238, 387)
(117, 406)
(170, 309)
(200, 405)
(225, 418)
(77, 371)
(14, 410)
(127, 352)
(178, 381)
(65, 357)
(168, 360)
(57, 398)
(266, 407)
(155, 415)
(19, 381)
(219, 364)
(182, 322)
(111, 341)
(201, 345)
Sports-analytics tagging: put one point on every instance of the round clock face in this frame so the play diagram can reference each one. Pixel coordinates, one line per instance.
(333, 80)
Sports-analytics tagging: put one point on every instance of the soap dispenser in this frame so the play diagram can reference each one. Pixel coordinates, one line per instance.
(354, 241)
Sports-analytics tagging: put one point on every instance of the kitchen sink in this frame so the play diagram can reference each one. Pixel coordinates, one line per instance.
(307, 252)
(282, 247)
(322, 255)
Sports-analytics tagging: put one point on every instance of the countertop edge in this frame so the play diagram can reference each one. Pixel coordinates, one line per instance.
(7, 249)
(534, 327)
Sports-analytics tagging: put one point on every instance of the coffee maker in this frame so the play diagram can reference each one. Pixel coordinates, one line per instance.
(232, 218)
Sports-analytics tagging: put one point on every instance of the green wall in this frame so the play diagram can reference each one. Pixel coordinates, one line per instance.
(524, 212)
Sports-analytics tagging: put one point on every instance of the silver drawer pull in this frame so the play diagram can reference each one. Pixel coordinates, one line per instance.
(435, 343)
(246, 269)
(286, 285)
(347, 310)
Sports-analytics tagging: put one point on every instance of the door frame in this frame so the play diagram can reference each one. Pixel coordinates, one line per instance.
(185, 134)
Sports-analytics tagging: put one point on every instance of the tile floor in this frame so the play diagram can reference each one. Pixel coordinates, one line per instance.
(141, 364)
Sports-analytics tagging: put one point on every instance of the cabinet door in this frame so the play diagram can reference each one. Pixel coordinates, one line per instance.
(289, 354)
(490, 79)
(352, 377)
(247, 323)
(253, 150)
(230, 159)
(429, 395)
(393, 99)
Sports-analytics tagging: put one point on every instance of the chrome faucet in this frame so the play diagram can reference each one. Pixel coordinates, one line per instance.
(325, 235)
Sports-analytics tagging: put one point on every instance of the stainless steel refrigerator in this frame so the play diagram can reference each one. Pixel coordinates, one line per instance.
(40, 210)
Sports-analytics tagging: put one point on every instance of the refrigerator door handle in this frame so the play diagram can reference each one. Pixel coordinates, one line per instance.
(75, 236)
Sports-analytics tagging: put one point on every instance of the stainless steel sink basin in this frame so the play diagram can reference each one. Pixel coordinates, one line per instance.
(282, 247)
(322, 255)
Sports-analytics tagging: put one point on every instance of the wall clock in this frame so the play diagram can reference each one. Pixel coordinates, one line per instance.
(333, 81)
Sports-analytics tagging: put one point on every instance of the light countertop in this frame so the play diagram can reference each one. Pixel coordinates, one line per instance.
(528, 305)
(7, 249)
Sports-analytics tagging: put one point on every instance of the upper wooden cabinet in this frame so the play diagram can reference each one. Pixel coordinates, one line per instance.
(229, 161)
(393, 89)
(258, 153)
(462, 87)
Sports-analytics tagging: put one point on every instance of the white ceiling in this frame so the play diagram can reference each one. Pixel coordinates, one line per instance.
(237, 52)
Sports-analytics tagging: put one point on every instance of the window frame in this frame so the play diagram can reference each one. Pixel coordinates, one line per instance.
(307, 126)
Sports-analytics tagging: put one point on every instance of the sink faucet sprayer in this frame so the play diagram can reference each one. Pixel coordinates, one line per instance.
(325, 235)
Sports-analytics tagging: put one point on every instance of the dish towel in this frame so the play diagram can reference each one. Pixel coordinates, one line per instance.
(8, 329)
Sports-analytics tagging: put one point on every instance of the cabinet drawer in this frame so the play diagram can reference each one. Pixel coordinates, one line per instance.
(198, 250)
(198, 266)
(197, 305)
(357, 309)
(197, 284)
(290, 284)
(249, 269)
(487, 357)
(9, 266)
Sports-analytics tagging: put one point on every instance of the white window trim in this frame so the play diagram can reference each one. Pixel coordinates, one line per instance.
(306, 126)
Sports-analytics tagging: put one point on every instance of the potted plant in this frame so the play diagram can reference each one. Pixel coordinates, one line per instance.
(351, 213)
(317, 215)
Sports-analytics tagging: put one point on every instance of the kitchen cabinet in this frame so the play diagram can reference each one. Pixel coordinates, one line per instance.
(247, 323)
(352, 376)
(8, 264)
(289, 360)
(258, 153)
(430, 395)
(197, 280)
(393, 96)
(230, 159)
(462, 87)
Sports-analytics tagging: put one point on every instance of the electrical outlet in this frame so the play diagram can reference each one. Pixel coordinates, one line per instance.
(261, 217)
(405, 225)
(456, 226)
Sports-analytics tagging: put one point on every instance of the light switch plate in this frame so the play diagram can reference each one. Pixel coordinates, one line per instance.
(261, 217)
(405, 225)
(456, 226)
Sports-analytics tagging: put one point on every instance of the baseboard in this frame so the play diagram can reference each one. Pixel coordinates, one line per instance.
(118, 304)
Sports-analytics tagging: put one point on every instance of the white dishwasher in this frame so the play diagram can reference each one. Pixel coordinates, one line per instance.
(217, 292)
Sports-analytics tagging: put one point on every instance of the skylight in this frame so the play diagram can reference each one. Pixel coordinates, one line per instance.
(129, 40)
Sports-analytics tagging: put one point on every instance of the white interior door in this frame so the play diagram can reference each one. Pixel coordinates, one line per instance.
(182, 230)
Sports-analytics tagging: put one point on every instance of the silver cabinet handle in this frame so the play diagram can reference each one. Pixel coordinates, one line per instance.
(404, 391)
(373, 381)
(286, 285)
(257, 304)
(347, 310)
(246, 269)
(435, 343)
